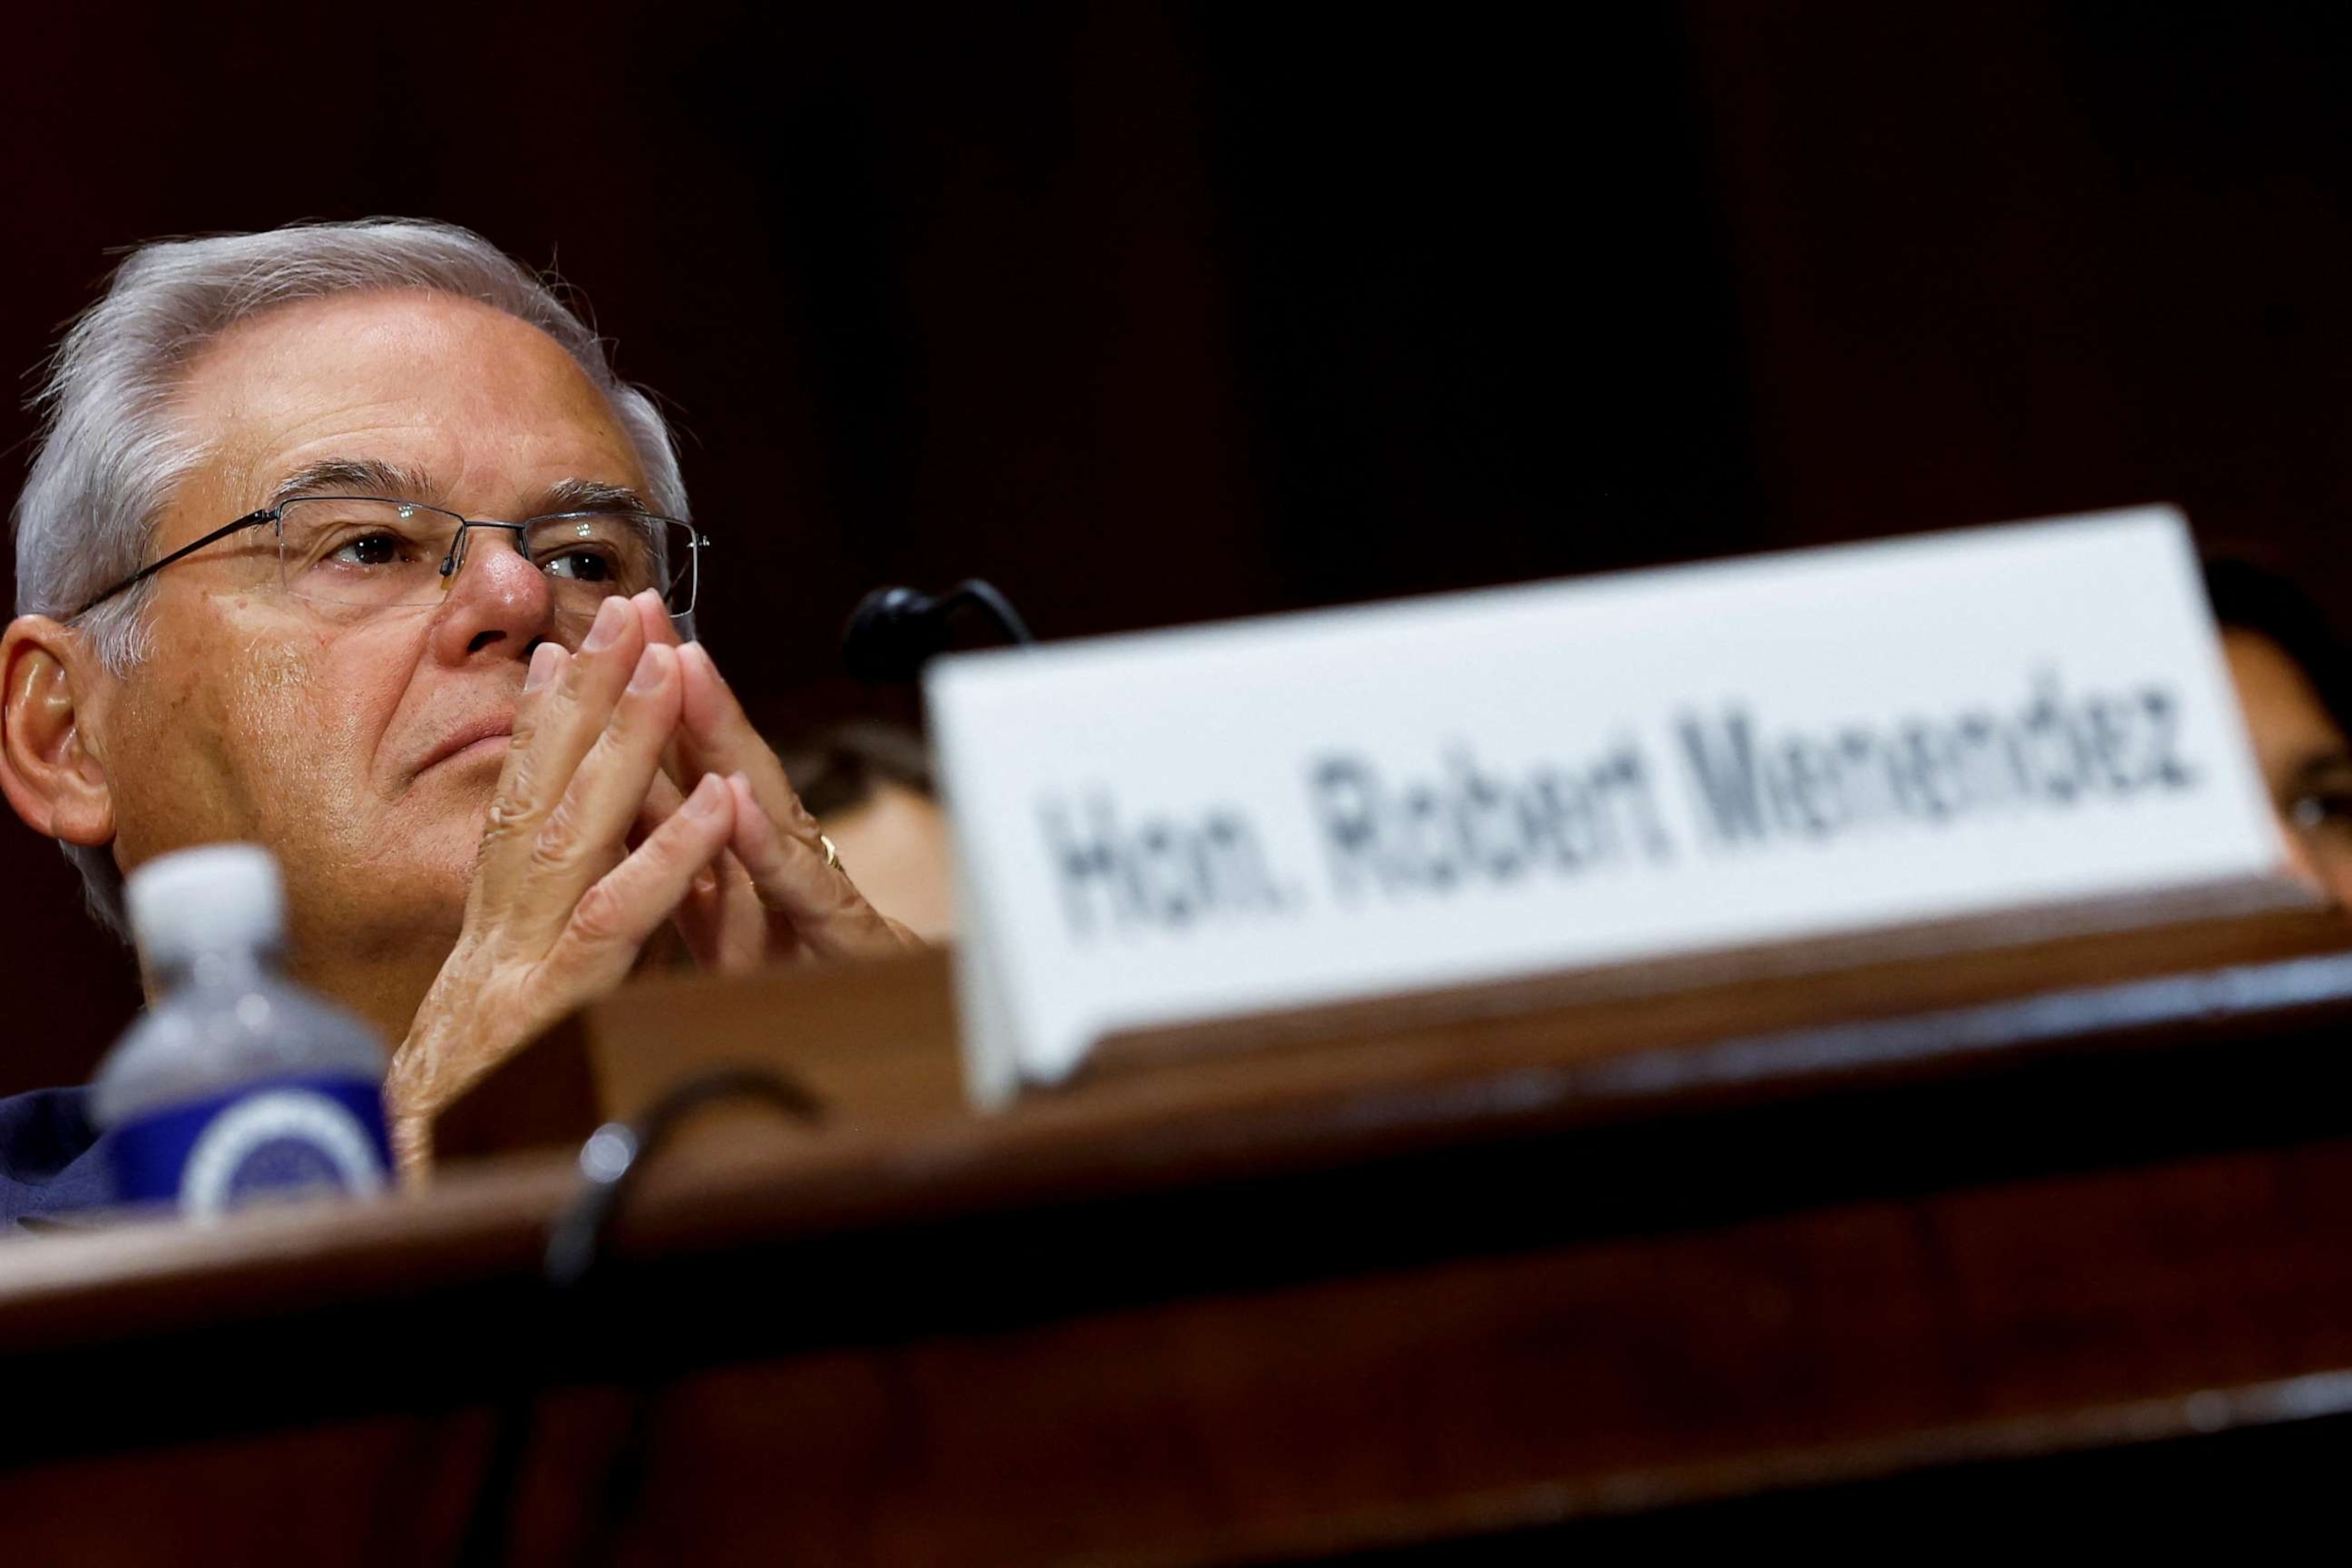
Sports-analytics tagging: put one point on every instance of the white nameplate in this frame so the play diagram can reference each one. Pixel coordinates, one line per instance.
(1181, 827)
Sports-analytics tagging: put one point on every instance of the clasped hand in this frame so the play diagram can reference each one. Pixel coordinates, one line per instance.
(635, 792)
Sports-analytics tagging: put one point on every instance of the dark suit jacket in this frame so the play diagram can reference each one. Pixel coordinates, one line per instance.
(51, 1163)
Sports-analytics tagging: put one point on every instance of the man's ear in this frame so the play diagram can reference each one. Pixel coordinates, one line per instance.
(48, 770)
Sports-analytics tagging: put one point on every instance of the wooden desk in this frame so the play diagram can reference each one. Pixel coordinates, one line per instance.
(1515, 1283)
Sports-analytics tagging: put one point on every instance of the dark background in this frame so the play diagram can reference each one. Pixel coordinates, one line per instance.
(1159, 314)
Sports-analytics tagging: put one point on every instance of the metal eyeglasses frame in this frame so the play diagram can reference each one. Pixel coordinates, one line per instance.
(699, 542)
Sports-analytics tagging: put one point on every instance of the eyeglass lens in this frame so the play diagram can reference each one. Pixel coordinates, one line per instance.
(381, 553)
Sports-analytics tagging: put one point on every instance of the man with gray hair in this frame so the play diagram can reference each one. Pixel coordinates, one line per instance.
(346, 539)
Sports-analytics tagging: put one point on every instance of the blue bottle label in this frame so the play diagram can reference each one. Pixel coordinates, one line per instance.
(278, 1139)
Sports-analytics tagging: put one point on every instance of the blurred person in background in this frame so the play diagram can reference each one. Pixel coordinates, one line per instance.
(2291, 674)
(346, 539)
(871, 788)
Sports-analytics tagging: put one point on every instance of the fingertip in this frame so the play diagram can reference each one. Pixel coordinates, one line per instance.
(709, 794)
(656, 665)
(749, 818)
(707, 817)
(547, 661)
(612, 620)
(701, 679)
(654, 616)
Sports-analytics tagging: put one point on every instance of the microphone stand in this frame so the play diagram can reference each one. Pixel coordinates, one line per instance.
(895, 631)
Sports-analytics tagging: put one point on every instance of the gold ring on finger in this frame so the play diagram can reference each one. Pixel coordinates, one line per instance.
(832, 856)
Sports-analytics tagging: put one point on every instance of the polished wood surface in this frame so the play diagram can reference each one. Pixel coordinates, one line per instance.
(1284, 1305)
(878, 1042)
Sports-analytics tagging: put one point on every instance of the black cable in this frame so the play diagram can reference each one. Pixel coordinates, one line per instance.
(609, 1163)
(614, 1152)
(1008, 620)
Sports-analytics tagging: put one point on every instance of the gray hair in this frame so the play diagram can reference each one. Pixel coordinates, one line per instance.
(109, 456)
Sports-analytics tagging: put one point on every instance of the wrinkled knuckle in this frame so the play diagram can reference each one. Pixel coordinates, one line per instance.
(506, 817)
(557, 842)
(599, 918)
(845, 902)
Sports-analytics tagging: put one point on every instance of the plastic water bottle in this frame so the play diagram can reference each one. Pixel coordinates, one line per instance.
(236, 1086)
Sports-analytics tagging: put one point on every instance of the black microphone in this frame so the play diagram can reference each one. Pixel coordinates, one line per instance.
(893, 632)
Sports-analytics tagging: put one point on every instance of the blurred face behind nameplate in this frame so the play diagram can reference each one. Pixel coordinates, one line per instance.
(1985, 735)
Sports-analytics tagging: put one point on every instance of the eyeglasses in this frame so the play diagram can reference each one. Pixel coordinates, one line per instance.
(371, 553)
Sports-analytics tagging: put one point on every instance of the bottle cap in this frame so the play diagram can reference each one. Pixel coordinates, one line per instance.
(221, 897)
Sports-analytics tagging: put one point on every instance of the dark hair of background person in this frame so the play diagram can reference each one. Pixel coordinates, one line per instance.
(840, 765)
(2252, 597)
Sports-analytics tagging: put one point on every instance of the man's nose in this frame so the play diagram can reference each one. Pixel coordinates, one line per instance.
(499, 601)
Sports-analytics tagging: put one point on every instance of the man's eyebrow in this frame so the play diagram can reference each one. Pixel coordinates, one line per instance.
(2333, 765)
(397, 481)
(353, 477)
(593, 495)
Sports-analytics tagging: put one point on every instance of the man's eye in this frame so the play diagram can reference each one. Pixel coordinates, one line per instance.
(369, 550)
(2322, 810)
(579, 566)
